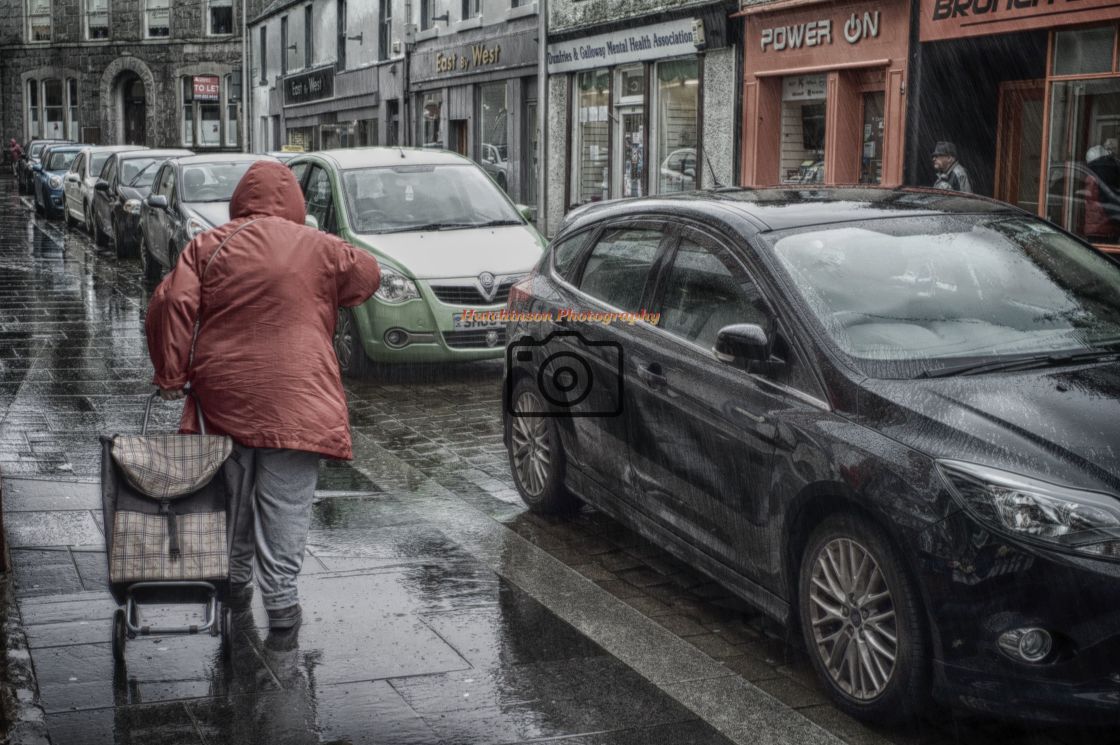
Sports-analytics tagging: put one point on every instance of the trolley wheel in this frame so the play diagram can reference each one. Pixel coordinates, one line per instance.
(119, 635)
(227, 633)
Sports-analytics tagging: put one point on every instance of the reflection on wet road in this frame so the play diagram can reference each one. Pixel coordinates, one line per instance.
(437, 609)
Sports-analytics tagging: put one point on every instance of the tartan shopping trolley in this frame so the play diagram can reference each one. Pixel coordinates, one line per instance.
(165, 499)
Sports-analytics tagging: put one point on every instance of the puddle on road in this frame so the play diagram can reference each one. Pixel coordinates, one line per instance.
(340, 476)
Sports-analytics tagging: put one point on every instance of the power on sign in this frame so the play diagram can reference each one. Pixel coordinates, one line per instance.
(855, 28)
(207, 88)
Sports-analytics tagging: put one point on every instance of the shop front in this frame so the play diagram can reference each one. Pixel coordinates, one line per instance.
(824, 93)
(476, 94)
(325, 110)
(1029, 93)
(635, 113)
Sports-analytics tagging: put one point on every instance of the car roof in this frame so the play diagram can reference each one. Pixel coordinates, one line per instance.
(786, 208)
(114, 148)
(374, 157)
(194, 160)
(130, 154)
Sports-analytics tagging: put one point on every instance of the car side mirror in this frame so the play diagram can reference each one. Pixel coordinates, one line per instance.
(742, 344)
(37, 167)
(157, 201)
(311, 221)
(525, 211)
(101, 185)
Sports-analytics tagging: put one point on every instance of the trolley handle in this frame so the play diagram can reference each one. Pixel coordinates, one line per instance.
(190, 395)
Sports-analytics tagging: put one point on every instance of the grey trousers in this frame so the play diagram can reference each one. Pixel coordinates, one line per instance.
(271, 517)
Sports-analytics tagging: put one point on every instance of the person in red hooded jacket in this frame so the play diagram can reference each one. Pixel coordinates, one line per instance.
(264, 291)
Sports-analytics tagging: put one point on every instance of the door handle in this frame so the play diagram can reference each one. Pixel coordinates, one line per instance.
(652, 375)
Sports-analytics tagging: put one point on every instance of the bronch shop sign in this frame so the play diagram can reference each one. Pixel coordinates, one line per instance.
(951, 19)
(855, 28)
(309, 86)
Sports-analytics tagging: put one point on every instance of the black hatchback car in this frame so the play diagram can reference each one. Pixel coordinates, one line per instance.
(126, 180)
(888, 418)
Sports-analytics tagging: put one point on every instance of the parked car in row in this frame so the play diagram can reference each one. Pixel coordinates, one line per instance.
(884, 417)
(189, 195)
(78, 184)
(31, 153)
(125, 181)
(47, 177)
(447, 238)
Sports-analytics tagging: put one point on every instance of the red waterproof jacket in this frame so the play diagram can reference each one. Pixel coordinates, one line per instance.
(264, 368)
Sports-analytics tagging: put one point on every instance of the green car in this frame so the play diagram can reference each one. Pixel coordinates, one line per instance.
(449, 242)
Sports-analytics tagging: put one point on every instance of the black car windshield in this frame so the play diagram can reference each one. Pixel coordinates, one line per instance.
(61, 161)
(212, 182)
(402, 198)
(37, 148)
(139, 172)
(903, 296)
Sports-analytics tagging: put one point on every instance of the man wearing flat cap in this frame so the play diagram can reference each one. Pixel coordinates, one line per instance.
(950, 173)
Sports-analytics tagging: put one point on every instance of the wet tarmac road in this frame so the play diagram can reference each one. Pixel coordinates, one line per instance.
(438, 610)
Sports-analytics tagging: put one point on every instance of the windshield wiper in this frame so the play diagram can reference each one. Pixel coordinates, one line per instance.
(1023, 363)
(431, 226)
(495, 223)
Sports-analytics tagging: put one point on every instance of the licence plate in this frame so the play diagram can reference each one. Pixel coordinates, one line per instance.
(459, 323)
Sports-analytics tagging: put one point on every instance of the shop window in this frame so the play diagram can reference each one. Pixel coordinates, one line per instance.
(591, 135)
(630, 146)
(157, 21)
(39, 20)
(1083, 181)
(367, 133)
(431, 114)
(34, 130)
(871, 159)
(470, 8)
(678, 104)
(264, 55)
(205, 117)
(803, 130)
(384, 29)
(393, 123)
(53, 126)
(493, 116)
(72, 108)
(221, 17)
(97, 19)
(1084, 51)
(308, 37)
(233, 108)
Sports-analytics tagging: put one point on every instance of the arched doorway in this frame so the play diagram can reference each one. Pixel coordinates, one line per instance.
(134, 108)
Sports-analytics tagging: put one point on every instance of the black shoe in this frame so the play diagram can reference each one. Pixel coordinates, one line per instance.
(282, 640)
(240, 597)
(285, 618)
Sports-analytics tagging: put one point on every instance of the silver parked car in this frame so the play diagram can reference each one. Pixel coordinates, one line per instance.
(78, 185)
(189, 196)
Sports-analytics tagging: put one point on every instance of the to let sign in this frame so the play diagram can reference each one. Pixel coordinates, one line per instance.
(207, 88)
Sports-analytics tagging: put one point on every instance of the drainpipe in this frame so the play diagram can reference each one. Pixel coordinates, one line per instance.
(542, 116)
(246, 94)
(406, 77)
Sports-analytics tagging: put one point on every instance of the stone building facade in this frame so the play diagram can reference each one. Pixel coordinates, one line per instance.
(152, 72)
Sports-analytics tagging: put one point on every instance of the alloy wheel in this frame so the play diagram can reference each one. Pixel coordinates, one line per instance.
(344, 339)
(532, 454)
(853, 620)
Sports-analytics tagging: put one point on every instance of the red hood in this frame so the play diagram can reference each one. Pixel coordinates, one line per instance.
(268, 188)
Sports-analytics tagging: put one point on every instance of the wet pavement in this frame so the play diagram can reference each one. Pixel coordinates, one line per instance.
(437, 610)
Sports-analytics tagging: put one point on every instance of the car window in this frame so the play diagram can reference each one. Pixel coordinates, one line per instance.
(97, 162)
(300, 170)
(110, 170)
(61, 161)
(566, 254)
(79, 162)
(140, 172)
(619, 265)
(706, 290)
(318, 197)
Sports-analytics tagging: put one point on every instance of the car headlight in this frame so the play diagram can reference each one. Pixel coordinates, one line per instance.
(56, 182)
(395, 287)
(1084, 521)
(196, 226)
(132, 206)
